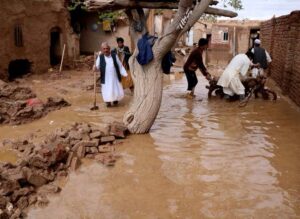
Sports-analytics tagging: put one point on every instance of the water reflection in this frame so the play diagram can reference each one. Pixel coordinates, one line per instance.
(228, 152)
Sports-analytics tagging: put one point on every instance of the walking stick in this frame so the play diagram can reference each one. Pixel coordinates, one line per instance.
(95, 107)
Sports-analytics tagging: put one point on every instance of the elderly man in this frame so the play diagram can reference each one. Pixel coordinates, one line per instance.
(261, 57)
(230, 78)
(111, 70)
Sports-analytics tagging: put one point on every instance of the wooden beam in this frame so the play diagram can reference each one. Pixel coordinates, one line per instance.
(126, 4)
(220, 12)
(100, 5)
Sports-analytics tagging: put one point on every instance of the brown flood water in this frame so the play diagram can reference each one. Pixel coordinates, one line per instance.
(202, 159)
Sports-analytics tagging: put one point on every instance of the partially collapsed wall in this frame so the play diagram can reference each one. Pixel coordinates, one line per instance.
(32, 35)
(281, 37)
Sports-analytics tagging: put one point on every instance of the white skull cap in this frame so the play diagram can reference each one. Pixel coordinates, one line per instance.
(257, 41)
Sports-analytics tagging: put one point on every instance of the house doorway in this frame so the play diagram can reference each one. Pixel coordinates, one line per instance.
(189, 40)
(55, 46)
(17, 68)
(254, 34)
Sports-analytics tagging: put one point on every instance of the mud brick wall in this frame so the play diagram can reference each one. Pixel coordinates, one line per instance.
(281, 37)
(36, 19)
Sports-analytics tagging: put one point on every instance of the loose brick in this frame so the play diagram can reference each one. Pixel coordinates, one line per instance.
(96, 134)
(107, 139)
(80, 151)
(75, 163)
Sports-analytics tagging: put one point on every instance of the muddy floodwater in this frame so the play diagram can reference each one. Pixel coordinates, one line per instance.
(202, 159)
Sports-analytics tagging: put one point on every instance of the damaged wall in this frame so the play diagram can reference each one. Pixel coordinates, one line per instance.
(26, 33)
(281, 37)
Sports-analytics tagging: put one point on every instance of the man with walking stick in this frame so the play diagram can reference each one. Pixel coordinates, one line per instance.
(111, 70)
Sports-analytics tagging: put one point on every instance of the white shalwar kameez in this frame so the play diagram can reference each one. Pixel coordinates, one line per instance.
(230, 79)
(112, 89)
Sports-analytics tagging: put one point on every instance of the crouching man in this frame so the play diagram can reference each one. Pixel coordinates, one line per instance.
(111, 70)
(230, 78)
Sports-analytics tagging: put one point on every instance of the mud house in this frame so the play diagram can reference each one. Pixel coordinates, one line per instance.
(32, 35)
(281, 37)
(227, 38)
(93, 30)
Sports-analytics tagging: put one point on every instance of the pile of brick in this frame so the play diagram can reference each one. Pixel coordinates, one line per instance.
(29, 181)
(19, 105)
(85, 62)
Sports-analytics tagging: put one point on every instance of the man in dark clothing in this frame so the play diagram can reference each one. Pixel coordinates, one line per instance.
(194, 62)
(261, 57)
(124, 54)
(124, 51)
(167, 62)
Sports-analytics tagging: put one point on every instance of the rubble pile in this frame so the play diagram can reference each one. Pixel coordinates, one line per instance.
(10, 92)
(19, 105)
(84, 62)
(29, 181)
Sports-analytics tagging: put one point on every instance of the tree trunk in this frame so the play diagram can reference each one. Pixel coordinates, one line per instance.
(148, 81)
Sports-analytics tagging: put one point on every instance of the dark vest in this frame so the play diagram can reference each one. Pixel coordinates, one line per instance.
(260, 57)
(103, 67)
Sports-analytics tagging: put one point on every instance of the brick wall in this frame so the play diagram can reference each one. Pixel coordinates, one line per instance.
(281, 38)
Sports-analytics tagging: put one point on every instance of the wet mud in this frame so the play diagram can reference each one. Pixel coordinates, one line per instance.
(19, 105)
(202, 158)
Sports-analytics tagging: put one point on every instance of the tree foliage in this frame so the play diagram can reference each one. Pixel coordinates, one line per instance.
(111, 15)
(236, 4)
(72, 5)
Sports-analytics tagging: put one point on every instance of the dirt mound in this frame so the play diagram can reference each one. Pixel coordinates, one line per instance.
(84, 62)
(10, 92)
(33, 178)
(19, 105)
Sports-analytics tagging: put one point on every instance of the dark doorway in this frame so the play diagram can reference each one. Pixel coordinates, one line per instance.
(18, 68)
(254, 34)
(55, 47)
(207, 57)
(208, 37)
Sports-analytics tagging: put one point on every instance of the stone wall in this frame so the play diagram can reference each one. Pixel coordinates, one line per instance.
(281, 37)
(35, 18)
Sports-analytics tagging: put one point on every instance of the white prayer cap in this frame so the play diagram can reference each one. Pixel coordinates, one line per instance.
(257, 41)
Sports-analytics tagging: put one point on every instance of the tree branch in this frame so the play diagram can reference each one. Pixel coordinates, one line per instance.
(197, 13)
(183, 21)
(220, 12)
(171, 33)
